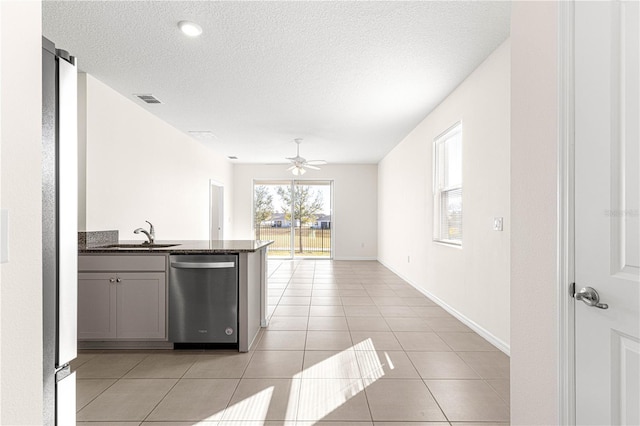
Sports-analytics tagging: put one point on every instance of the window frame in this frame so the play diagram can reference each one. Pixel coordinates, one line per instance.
(439, 190)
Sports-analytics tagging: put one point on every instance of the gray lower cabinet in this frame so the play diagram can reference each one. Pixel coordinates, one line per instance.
(114, 305)
(141, 306)
(96, 306)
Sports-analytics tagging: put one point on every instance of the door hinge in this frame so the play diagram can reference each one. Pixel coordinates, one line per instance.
(63, 372)
(572, 289)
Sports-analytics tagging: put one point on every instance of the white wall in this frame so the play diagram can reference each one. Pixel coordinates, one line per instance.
(140, 168)
(21, 189)
(472, 281)
(534, 145)
(354, 208)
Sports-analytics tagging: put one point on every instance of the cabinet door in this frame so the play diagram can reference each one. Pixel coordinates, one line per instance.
(96, 306)
(141, 306)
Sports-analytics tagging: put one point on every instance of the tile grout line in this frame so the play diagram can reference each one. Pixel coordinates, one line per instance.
(495, 390)
(304, 357)
(95, 397)
(122, 377)
(168, 392)
(436, 401)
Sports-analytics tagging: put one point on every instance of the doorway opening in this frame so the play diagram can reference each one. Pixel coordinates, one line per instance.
(296, 215)
(216, 210)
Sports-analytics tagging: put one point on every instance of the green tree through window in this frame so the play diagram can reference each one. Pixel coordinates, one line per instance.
(306, 204)
(263, 206)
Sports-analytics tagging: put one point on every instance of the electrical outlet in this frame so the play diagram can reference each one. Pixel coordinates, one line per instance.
(408, 259)
(497, 224)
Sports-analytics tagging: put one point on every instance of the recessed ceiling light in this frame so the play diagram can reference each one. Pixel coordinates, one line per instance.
(190, 28)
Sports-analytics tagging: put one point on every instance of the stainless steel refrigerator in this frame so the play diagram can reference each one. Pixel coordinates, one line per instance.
(59, 232)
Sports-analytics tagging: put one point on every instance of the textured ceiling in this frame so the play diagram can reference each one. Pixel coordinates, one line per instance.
(351, 78)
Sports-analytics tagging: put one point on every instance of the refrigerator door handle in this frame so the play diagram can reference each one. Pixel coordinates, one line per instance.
(67, 169)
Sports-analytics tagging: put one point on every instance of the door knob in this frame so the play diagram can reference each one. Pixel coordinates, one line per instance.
(591, 297)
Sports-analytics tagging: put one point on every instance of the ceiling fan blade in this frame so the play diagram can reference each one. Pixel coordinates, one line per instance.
(317, 162)
(309, 166)
(292, 167)
(298, 160)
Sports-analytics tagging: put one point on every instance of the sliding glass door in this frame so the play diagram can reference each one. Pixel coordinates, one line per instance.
(296, 215)
(271, 220)
(311, 209)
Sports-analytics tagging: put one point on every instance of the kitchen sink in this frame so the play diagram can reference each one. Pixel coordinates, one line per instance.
(139, 246)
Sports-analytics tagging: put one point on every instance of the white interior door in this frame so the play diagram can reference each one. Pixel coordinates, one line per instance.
(216, 211)
(607, 161)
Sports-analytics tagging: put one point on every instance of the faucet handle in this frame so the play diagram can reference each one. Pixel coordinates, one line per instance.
(151, 229)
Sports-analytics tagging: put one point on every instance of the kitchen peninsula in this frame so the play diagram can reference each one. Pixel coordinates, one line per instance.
(127, 295)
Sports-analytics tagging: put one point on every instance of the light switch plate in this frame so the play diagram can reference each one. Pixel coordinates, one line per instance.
(497, 224)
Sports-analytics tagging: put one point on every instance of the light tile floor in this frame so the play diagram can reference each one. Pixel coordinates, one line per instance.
(349, 343)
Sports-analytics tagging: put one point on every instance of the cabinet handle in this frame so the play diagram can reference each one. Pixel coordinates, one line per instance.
(112, 280)
(118, 280)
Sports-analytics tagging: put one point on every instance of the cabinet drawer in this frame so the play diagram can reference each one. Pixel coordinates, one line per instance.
(122, 263)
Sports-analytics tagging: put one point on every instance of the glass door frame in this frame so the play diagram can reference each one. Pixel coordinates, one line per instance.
(291, 184)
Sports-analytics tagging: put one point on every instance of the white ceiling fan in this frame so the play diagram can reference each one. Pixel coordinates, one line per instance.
(300, 164)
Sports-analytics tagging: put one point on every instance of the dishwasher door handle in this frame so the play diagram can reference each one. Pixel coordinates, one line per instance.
(203, 265)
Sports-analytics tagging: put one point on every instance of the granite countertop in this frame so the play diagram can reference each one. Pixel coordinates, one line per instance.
(181, 247)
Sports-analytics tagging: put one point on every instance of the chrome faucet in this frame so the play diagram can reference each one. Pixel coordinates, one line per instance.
(151, 235)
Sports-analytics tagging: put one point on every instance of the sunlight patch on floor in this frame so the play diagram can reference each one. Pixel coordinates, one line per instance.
(255, 407)
(341, 365)
(320, 397)
(326, 386)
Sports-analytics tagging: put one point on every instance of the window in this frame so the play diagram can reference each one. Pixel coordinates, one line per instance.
(447, 186)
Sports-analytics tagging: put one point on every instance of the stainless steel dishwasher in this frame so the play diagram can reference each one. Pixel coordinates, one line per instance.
(203, 299)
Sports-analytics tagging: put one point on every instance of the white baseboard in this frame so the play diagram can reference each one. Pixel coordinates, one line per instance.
(498, 343)
(354, 258)
(321, 258)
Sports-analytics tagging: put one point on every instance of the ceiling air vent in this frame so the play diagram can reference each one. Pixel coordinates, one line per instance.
(148, 99)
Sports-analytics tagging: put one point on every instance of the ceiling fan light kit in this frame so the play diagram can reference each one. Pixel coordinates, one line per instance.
(300, 165)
